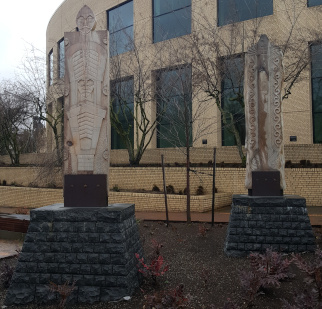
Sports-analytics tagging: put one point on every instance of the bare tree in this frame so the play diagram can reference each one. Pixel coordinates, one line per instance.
(183, 120)
(132, 96)
(15, 124)
(44, 103)
(218, 60)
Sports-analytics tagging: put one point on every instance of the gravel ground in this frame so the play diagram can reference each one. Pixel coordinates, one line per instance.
(199, 263)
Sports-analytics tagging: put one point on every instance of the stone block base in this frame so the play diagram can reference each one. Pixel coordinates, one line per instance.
(258, 223)
(93, 246)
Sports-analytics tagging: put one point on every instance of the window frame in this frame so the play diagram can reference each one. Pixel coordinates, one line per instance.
(108, 26)
(50, 67)
(60, 74)
(312, 79)
(240, 20)
(157, 74)
(153, 25)
(222, 100)
(310, 6)
(112, 83)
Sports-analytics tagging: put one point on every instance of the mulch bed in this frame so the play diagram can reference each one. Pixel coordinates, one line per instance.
(200, 264)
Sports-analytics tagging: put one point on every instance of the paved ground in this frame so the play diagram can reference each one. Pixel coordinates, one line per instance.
(8, 247)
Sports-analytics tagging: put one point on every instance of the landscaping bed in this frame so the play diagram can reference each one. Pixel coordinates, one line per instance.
(196, 259)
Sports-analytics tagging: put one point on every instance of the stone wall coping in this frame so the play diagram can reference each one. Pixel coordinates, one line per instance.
(170, 196)
(29, 188)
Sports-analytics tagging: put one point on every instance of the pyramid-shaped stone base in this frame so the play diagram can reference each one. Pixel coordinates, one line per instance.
(93, 246)
(257, 223)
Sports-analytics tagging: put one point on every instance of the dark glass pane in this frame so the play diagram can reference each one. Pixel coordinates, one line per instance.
(314, 2)
(233, 72)
(120, 17)
(316, 57)
(120, 25)
(174, 82)
(317, 94)
(317, 128)
(122, 95)
(61, 59)
(174, 107)
(230, 11)
(232, 89)
(172, 25)
(121, 41)
(316, 74)
(51, 67)
(166, 6)
(316, 51)
(228, 138)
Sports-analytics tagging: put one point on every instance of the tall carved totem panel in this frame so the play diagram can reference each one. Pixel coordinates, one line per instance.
(86, 108)
(263, 113)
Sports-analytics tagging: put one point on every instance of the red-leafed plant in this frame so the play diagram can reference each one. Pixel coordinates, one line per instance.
(155, 269)
(308, 299)
(311, 297)
(202, 230)
(172, 299)
(267, 270)
(272, 267)
(313, 270)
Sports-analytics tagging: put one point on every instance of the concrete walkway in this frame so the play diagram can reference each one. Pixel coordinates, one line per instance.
(9, 248)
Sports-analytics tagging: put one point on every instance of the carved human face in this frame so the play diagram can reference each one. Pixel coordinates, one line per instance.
(85, 20)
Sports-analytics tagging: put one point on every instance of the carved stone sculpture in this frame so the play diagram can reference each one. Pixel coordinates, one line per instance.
(263, 113)
(86, 106)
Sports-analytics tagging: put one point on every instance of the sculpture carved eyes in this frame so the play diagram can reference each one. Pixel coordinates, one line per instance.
(69, 143)
(85, 20)
(85, 24)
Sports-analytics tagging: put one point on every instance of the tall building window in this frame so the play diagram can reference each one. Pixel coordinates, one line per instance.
(51, 67)
(231, 11)
(314, 2)
(173, 95)
(316, 75)
(61, 48)
(122, 96)
(171, 18)
(232, 99)
(120, 26)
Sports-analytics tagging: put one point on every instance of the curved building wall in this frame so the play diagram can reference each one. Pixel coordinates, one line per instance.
(297, 109)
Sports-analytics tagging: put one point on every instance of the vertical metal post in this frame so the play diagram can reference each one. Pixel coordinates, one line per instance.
(213, 189)
(165, 192)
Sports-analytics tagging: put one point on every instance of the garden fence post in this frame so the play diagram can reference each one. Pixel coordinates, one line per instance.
(213, 189)
(165, 192)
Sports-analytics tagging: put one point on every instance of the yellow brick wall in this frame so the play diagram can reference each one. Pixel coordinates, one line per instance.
(29, 197)
(176, 203)
(19, 197)
(305, 181)
(28, 176)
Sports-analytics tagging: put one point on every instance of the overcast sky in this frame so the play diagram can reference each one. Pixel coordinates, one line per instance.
(22, 22)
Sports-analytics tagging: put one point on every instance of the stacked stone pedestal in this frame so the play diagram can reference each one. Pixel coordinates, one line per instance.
(93, 246)
(257, 223)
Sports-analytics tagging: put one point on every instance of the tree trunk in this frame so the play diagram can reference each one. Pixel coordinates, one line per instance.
(188, 184)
